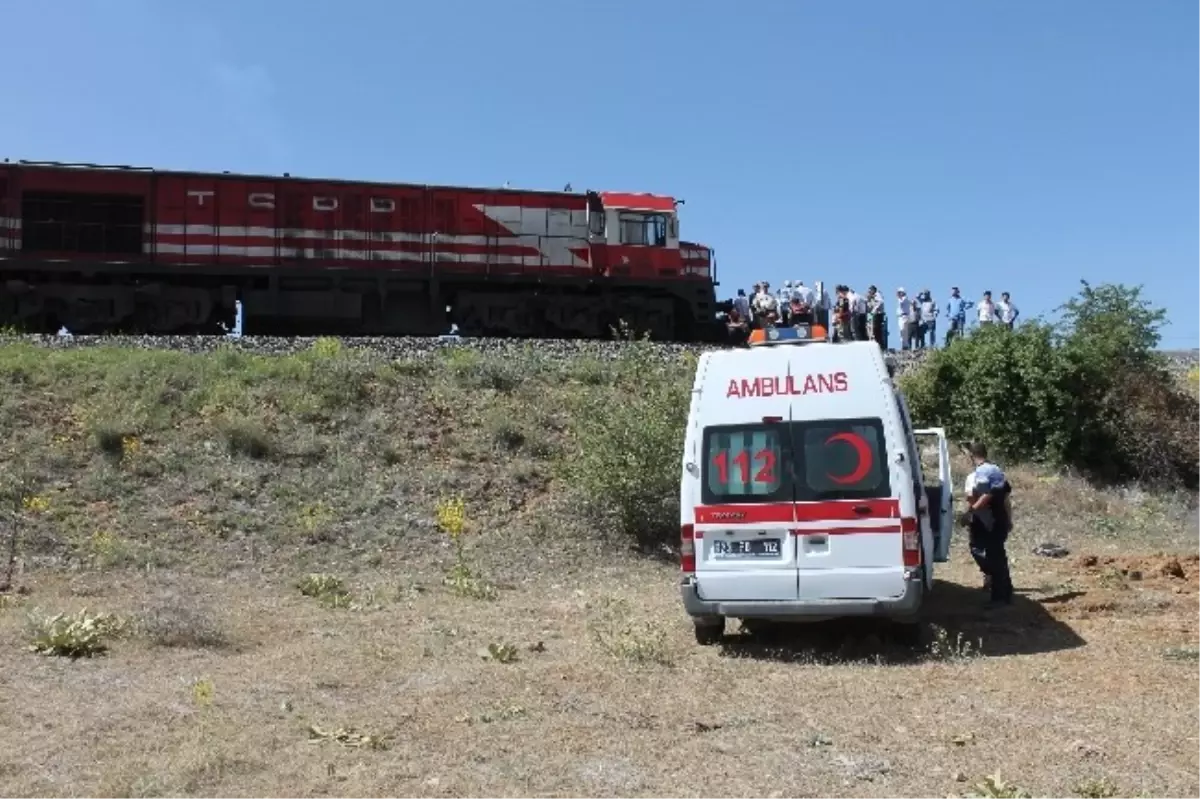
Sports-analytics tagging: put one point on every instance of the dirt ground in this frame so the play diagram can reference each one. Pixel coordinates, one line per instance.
(1087, 686)
(562, 664)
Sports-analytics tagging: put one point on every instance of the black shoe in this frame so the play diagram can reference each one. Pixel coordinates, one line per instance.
(996, 604)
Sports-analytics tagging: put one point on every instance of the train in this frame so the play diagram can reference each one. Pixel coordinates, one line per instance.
(100, 249)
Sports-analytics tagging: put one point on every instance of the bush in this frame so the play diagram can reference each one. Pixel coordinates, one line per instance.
(73, 635)
(629, 444)
(1090, 392)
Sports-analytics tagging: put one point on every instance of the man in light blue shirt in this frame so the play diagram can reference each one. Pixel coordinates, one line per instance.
(956, 314)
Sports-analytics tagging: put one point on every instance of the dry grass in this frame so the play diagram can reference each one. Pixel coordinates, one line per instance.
(233, 681)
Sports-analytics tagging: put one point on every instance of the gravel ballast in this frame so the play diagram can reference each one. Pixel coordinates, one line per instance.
(397, 348)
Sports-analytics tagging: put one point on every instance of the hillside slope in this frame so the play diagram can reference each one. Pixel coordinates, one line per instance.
(192, 495)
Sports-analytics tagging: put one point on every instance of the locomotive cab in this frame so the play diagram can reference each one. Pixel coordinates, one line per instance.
(633, 234)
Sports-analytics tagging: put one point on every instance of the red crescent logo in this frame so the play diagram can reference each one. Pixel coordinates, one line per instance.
(862, 449)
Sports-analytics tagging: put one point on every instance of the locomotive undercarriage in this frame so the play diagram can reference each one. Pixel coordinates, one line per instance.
(303, 305)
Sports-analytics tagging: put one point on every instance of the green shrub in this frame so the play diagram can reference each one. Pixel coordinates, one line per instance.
(629, 442)
(1090, 392)
(73, 635)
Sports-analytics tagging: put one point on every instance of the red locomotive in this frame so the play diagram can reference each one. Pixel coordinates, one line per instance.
(121, 249)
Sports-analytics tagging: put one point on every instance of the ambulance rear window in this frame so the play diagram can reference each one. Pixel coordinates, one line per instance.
(746, 463)
(841, 459)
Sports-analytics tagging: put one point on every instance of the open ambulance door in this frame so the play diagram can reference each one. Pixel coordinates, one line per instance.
(941, 496)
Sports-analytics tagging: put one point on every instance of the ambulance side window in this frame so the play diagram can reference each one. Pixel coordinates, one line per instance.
(746, 463)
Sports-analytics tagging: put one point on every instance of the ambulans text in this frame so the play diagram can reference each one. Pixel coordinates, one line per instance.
(784, 385)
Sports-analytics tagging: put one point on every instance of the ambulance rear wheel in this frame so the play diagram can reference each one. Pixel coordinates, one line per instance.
(709, 632)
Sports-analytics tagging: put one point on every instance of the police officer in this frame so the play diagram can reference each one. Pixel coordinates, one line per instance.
(989, 518)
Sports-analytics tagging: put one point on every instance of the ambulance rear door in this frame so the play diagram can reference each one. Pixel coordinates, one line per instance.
(847, 482)
(745, 550)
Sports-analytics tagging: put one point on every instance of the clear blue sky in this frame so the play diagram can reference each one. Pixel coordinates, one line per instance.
(1012, 145)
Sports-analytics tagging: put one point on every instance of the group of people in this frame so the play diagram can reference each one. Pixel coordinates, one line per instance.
(919, 316)
(852, 316)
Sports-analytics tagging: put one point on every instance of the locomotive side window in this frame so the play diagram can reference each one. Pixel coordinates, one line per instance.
(648, 230)
(81, 223)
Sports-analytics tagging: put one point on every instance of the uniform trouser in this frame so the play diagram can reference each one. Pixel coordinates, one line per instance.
(909, 335)
(987, 548)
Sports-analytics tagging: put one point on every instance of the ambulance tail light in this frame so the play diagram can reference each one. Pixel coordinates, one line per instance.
(687, 549)
(912, 545)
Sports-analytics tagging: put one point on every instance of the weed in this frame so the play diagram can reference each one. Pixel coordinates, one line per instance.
(314, 520)
(506, 433)
(326, 347)
(412, 368)
(35, 504)
(73, 635)
(462, 578)
(347, 736)
(634, 642)
(106, 550)
(500, 653)
(326, 589)
(591, 372)
(501, 713)
(956, 648)
(995, 788)
(203, 692)
(1185, 654)
(1101, 788)
(130, 447)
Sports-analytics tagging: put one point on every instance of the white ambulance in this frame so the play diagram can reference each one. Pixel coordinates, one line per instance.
(802, 496)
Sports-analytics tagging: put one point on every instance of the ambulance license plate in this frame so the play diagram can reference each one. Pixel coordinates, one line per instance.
(747, 548)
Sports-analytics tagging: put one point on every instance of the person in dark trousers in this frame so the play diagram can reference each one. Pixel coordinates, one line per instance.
(956, 312)
(989, 518)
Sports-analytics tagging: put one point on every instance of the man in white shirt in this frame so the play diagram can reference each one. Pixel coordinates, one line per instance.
(803, 293)
(766, 308)
(783, 299)
(858, 315)
(876, 317)
(1006, 311)
(906, 315)
(929, 316)
(987, 309)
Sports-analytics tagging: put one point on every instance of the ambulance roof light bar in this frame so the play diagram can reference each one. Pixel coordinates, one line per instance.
(800, 334)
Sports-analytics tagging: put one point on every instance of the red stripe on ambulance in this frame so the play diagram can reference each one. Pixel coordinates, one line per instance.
(782, 512)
